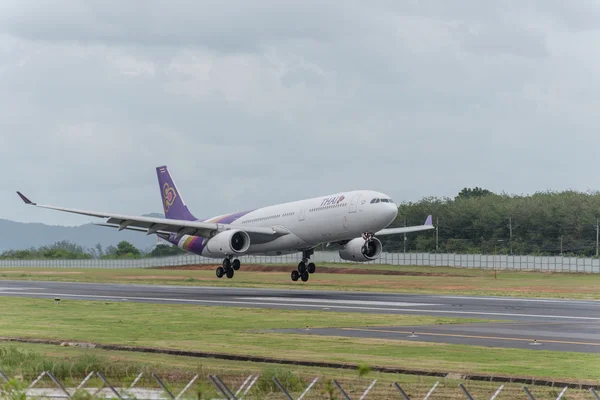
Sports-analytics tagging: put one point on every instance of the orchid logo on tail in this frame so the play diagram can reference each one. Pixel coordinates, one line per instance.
(169, 195)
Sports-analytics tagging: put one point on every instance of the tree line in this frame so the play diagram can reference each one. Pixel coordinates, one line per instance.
(480, 221)
(476, 220)
(68, 250)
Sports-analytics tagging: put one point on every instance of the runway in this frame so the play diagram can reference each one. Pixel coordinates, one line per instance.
(565, 325)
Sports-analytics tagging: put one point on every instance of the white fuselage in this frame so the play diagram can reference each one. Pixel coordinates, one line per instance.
(337, 217)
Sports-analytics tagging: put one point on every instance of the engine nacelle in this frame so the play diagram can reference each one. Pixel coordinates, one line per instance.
(233, 241)
(360, 250)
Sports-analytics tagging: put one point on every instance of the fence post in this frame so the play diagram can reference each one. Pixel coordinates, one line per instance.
(186, 387)
(431, 391)
(40, 376)
(60, 386)
(280, 386)
(497, 392)
(528, 393)
(464, 389)
(162, 385)
(111, 387)
(562, 393)
(136, 380)
(341, 390)
(401, 391)
(223, 389)
(84, 381)
(308, 388)
(364, 395)
(250, 386)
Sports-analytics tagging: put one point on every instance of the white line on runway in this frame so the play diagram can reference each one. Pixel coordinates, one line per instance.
(300, 305)
(20, 288)
(527, 300)
(321, 301)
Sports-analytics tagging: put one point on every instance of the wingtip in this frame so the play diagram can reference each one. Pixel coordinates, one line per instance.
(24, 198)
(429, 220)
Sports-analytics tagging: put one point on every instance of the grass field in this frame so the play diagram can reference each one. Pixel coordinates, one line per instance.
(239, 331)
(70, 365)
(371, 278)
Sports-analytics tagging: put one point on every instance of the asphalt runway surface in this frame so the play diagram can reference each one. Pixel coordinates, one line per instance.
(542, 324)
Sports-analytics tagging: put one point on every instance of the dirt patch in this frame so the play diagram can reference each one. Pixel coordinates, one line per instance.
(320, 270)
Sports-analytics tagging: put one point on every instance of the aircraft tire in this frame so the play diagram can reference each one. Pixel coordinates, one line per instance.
(295, 275)
(226, 264)
(312, 268)
(301, 267)
(236, 264)
(229, 273)
(304, 276)
(220, 272)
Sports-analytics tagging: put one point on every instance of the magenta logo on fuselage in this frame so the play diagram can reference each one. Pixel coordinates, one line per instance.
(332, 200)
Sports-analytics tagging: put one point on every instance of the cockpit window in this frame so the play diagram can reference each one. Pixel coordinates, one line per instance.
(381, 201)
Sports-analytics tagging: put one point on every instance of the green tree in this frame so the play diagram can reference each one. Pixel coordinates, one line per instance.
(467, 193)
(127, 250)
(163, 250)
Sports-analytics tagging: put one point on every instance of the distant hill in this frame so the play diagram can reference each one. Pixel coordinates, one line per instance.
(20, 235)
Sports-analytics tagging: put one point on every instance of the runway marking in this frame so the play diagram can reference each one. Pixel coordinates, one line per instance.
(471, 336)
(20, 288)
(589, 302)
(299, 305)
(363, 302)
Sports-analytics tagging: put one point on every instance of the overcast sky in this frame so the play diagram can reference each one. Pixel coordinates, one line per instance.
(255, 103)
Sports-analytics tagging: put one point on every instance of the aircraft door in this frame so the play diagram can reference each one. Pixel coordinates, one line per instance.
(301, 215)
(353, 203)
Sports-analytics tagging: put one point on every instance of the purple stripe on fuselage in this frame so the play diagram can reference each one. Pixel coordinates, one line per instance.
(230, 218)
(199, 243)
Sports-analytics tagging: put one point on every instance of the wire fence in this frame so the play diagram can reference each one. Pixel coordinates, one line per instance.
(240, 387)
(485, 261)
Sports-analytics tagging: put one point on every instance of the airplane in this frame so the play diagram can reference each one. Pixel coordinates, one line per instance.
(352, 219)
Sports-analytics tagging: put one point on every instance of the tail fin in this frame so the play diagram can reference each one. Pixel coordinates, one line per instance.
(173, 205)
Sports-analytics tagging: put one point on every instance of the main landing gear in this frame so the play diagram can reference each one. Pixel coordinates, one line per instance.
(228, 268)
(304, 267)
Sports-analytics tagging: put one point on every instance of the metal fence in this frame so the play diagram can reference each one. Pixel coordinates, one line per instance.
(486, 261)
(240, 391)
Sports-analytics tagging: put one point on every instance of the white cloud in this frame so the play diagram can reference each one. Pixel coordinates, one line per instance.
(255, 105)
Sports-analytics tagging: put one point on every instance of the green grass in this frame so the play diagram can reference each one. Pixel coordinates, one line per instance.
(444, 280)
(70, 365)
(238, 331)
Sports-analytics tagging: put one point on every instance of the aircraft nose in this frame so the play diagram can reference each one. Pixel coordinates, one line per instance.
(391, 212)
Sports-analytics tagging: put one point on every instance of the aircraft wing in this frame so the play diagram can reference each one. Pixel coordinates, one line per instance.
(163, 225)
(407, 229)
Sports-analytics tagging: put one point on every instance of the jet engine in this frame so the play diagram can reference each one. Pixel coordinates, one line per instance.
(361, 250)
(233, 241)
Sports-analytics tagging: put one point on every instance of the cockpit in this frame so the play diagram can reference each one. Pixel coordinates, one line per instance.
(381, 200)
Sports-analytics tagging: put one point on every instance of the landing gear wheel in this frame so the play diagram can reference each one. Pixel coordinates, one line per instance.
(226, 264)
(312, 268)
(236, 264)
(304, 276)
(230, 273)
(295, 275)
(301, 267)
(220, 272)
